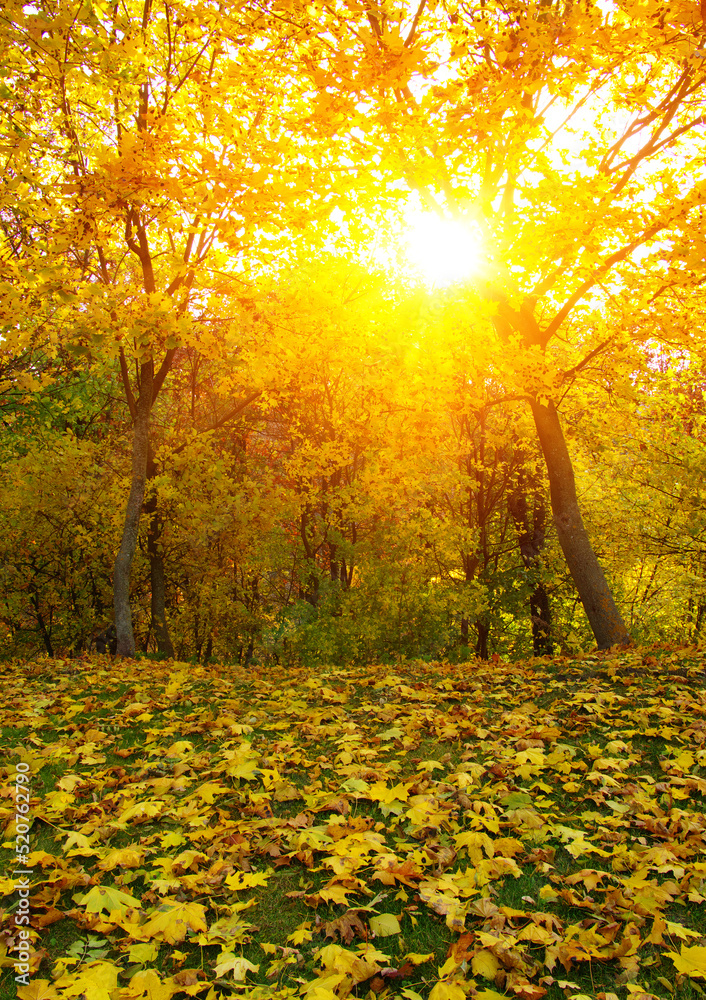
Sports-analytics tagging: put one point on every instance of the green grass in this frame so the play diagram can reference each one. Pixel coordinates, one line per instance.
(625, 737)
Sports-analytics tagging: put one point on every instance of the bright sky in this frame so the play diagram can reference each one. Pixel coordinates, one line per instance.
(442, 251)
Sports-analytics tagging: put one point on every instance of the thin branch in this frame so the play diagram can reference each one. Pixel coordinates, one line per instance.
(587, 360)
(126, 385)
(410, 37)
(164, 370)
(614, 258)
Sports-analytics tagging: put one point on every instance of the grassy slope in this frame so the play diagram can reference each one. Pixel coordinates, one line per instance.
(535, 829)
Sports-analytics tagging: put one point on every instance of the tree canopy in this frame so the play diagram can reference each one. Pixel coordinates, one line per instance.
(200, 316)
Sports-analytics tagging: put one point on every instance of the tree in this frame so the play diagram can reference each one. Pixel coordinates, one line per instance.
(150, 151)
(571, 134)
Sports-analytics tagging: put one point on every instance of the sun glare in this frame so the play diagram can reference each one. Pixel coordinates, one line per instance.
(444, 251)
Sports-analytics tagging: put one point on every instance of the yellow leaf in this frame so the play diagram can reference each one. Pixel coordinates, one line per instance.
(147, 985)
(536, 934)
(301, 934)
(228, 962)
(247, 880)
(475, 843)
(322, 988)
(683, 933)
(484, 963)
(142, 811)
(379, 792)
(691, 961)
(96, 980)
(335, 893)
(384, 925)
(7, 886)
(181, 749)
(172, 920)
(447, 991)
(209, 791)
(123, 857)
(106, 898)
(449, 966)
(507, 847)
(143, 953)
(38, 989)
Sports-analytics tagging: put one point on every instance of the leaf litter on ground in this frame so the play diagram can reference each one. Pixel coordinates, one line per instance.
(419, 830)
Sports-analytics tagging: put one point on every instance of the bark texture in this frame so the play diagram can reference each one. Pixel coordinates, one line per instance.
(128, 543)
(604, 618)
(158, 586)
(531, 534)
(158, 590)
(603, 615)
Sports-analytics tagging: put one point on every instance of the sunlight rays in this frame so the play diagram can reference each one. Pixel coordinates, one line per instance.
(443, 251)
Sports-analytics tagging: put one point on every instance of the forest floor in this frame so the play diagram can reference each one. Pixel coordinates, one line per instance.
(420, 830)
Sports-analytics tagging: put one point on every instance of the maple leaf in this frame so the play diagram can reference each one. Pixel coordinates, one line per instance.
(96, 979)
(146, 985)
(102, 898)
(485, 963)
(384, 924)
(143, 953)
(237, 965)
(405, 873)
(445, 990)
(124, 857)
(346, 927)
(691, 961)
(379, 792)
(38, 989)
(172, 920)
(425, 810)
(446, 905)
(589, 877)
(142, 811)
(227, 931)
(247, 880)
(475, 844)
(210, 790)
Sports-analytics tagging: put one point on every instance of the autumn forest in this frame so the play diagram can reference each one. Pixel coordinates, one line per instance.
(353, 371)
(238, 423)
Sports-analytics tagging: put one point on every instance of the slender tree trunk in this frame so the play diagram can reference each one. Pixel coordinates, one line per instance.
(541, 615)
(46, 635)
(470, 565)
(483, 633)
(464, 631)
(128, 544)
(605, 619)
(603, 615)
(531, 538)
(158, 599)
(157, 576)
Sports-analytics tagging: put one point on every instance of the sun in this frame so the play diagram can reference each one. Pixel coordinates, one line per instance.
(443, 251)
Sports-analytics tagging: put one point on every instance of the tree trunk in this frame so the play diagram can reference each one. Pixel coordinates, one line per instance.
(46, 635)
(603, 615)
(158, 601)
(464, 632)
(128, 544)
(157, 578)
(483, 633)
(541, 615)
(531, 539)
